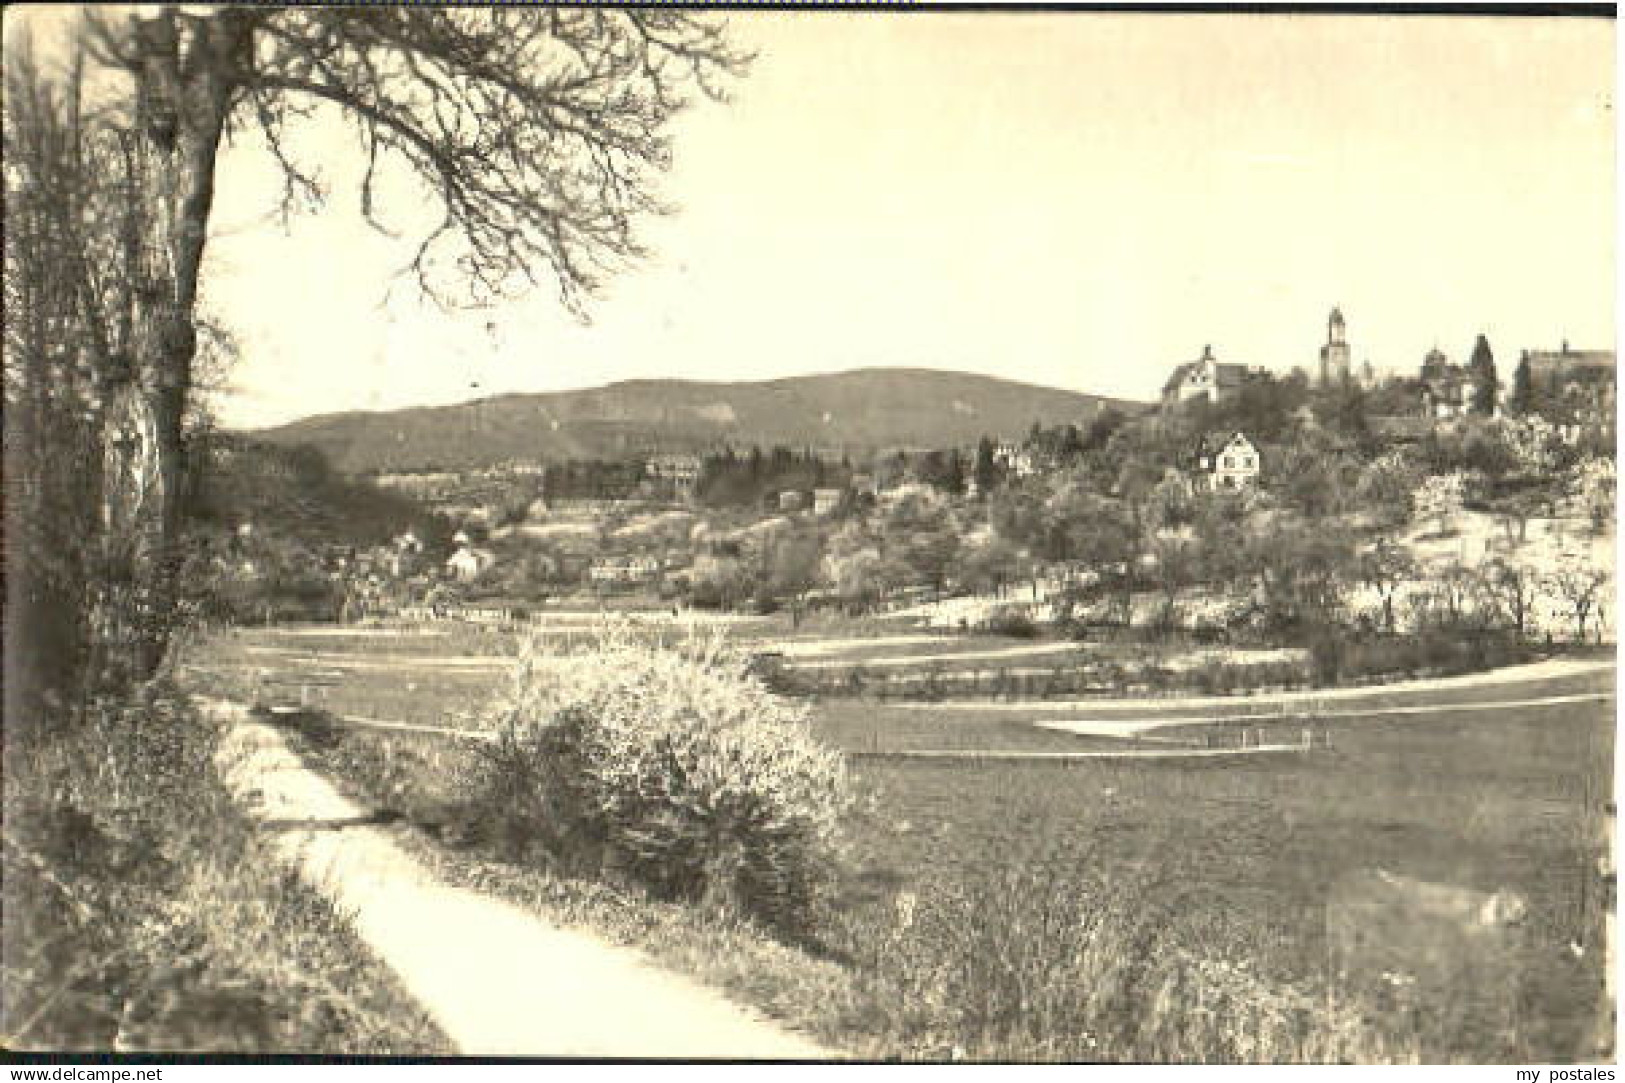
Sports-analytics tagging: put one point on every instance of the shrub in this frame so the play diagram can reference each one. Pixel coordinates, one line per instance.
(669, 765)
(1328, 653)
(1016, 623)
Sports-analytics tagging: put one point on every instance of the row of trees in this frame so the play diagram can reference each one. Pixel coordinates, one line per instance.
(729, 479)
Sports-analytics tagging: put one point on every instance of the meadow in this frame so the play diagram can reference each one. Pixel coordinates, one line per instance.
(1261, 845)
(1232, 861)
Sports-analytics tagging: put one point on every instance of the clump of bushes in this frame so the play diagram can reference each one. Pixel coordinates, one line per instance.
(1338, 654)
(1014, 622)
(670, 766)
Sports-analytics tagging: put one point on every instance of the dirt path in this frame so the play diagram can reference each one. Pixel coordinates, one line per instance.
(498, 979)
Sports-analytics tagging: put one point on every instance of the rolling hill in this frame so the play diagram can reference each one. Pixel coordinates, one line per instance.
(860, 411)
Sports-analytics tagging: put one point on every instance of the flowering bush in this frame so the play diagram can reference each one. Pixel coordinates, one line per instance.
(673, 766)
(1438, 498)
(1593, 484)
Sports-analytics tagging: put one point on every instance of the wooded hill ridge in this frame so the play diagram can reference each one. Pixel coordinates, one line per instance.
(859, 411)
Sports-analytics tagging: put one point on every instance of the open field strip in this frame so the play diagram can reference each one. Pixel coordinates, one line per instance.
(343, 660)
(635, 617)
(1534, 671)
(388, 725)
(1125, 727)
(1028, 651)
(805, 648)
(498, 979)
(369, 631)
(974, 756)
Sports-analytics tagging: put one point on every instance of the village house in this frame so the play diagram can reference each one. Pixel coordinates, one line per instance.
(469, 563)
(427, 485)
(624, 569)
(1226, 462)
(403, 555)
(1205, 378)
(826, 501)
(1016, 460)
(681, 472)
(1447, 388)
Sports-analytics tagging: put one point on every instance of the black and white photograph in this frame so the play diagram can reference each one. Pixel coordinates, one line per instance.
(856, 535)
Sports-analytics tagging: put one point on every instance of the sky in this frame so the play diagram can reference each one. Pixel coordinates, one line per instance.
(1078, 200)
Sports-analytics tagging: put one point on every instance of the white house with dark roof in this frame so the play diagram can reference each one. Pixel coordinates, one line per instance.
(1227, 462)
(1205, 378)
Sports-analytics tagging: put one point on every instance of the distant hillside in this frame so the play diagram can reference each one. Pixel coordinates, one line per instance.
(289, 492)
(860, 411)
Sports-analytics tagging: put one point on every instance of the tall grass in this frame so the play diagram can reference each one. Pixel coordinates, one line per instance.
(1026, 965)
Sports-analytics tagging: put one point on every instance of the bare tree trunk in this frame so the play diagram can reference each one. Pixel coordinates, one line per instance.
(181, 104)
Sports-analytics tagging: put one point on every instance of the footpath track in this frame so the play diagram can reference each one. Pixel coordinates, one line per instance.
(498, 979)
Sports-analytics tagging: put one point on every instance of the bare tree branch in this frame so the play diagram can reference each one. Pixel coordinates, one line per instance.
(539, 132)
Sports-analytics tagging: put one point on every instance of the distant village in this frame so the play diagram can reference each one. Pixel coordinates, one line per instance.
(786, 526)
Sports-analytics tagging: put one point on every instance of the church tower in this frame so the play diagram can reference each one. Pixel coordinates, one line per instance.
(1334, 356)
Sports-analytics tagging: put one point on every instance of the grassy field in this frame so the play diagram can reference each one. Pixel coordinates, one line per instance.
(1237, 860)
(1511, 802)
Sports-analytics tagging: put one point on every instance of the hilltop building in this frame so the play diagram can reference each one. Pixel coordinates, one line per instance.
(1576, 388)
(1205, 378)
(1567, 370)
(1334, 356)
